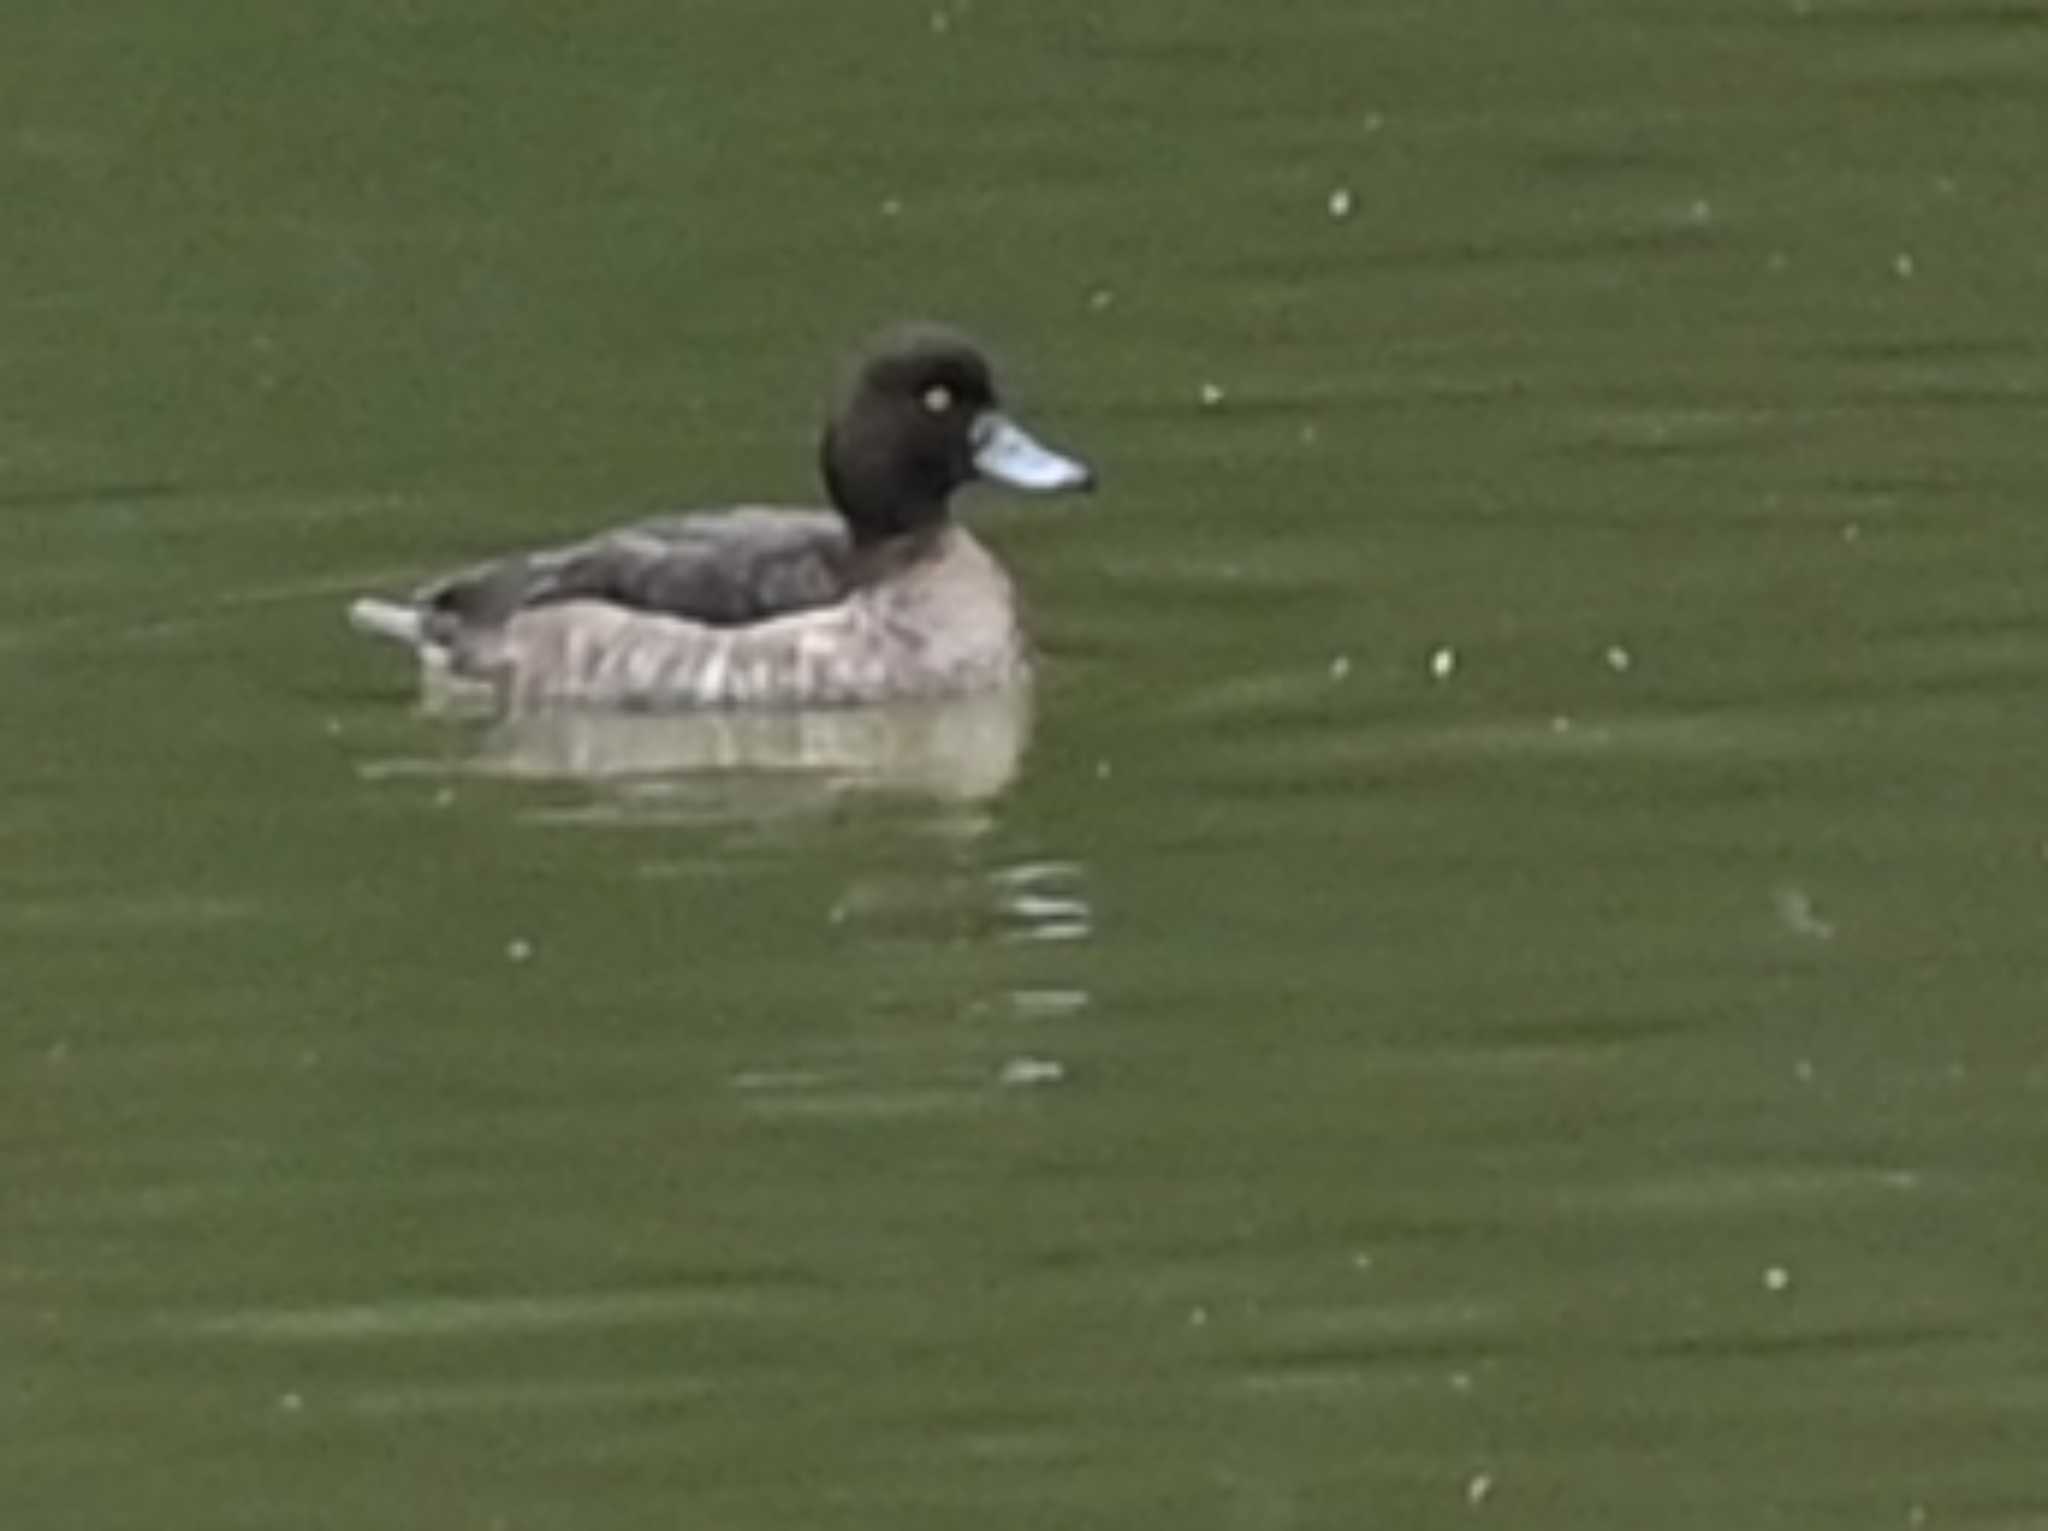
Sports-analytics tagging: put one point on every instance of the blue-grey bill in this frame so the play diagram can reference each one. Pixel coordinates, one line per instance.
(1006, 452)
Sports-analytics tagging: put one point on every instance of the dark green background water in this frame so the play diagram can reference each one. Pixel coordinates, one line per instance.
(1508, 987)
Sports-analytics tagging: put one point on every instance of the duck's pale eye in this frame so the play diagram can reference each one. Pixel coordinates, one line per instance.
(938, 398)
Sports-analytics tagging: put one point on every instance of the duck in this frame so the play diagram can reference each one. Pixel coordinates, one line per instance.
(882, 597)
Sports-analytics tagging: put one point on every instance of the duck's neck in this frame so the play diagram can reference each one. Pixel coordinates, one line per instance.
(876, 558)
(876, 527)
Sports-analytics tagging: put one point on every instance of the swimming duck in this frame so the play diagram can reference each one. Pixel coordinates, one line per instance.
(883, 596)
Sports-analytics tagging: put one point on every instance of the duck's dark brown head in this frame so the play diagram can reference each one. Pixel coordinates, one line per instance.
(918, 418)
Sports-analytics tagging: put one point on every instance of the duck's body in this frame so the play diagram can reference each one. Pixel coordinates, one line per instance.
(884, 597)
(943, 623)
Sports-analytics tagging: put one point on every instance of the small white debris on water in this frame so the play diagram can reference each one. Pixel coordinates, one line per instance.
(1903, 265)
(1798, 913)
(1461, 1382)
(332, 728)
(1361, 1261)
(1700, 212)
(1046, 1004)
(1340, 667)
(1916, 1515)
(1777, 1278)
(1853, 532)
(1197, 1317)
(1102, 770)
(1560, 724)
(444, 798)
(1341, 203)
(891, 206)
(1100, 299)
(290, 1403)
(1618, 658)
(1024, 1073)
(1804, 1071)
(519, 949)
(1310, 435)
(1374, 122)
(1479, 1489)
(1442, 661)
(1211, 395)
(941, 22)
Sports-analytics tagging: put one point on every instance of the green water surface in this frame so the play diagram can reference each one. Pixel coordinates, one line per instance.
(1500, 981)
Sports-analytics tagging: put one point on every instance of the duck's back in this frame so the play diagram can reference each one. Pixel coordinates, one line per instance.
(722, 568)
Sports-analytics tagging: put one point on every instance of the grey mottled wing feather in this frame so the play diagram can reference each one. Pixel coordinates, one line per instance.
(723, 568)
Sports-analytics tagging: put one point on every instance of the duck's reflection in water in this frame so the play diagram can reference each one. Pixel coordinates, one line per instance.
(962, 749)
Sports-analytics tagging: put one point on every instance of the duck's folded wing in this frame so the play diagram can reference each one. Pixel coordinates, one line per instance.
(723, 568)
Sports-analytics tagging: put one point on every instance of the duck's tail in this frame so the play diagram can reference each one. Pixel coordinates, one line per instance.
(445, 684)
(395, 620)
